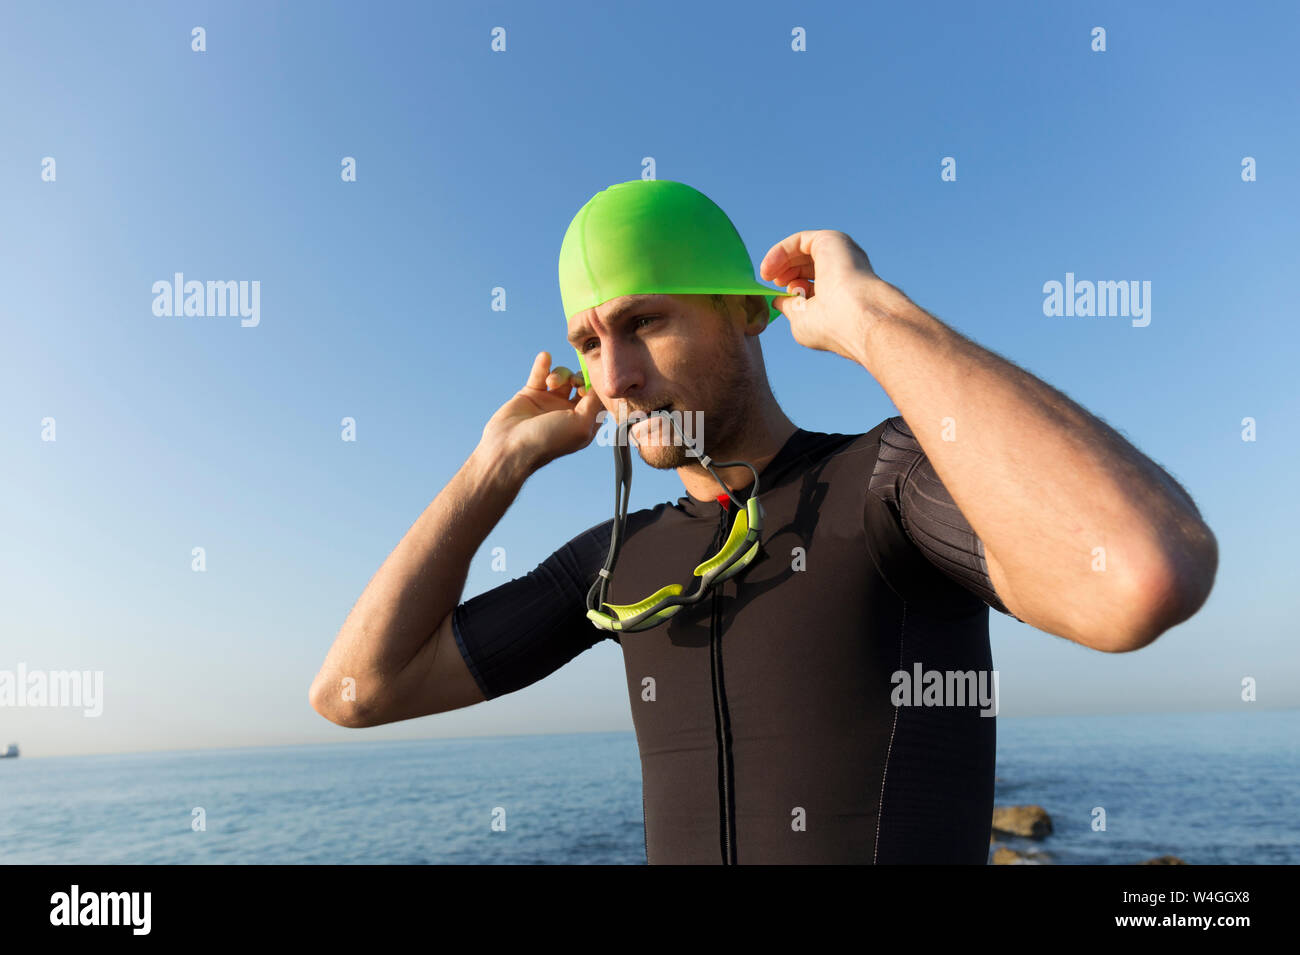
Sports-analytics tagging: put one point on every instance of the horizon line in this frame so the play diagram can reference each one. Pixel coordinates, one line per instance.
(487, 736)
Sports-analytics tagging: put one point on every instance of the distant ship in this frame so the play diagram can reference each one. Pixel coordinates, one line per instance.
(11, 752)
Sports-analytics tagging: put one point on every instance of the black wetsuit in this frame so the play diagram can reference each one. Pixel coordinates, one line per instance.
(763, 714)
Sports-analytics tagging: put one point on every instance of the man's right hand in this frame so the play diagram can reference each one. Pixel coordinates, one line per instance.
(541, 422)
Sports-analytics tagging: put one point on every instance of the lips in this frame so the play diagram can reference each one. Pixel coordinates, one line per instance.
(652, 414)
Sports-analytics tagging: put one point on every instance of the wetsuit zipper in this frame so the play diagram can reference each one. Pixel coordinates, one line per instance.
(723, 722)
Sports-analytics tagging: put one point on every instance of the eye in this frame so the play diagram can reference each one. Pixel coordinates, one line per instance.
(639, 319)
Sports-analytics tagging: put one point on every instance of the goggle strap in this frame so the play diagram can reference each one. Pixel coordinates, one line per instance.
(622, 492)
(734, 556)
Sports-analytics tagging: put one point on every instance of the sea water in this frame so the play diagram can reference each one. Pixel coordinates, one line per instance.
(1208, 788)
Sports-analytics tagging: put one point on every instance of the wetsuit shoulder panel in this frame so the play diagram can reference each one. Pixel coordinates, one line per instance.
(926, 522)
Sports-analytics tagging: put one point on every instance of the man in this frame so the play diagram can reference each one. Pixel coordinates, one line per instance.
(768, 715)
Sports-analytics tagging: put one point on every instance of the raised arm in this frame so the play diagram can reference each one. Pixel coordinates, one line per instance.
(1085, 537)
(395, 657)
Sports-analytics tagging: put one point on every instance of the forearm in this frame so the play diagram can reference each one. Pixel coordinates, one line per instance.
(420, 583)
(1042, 482)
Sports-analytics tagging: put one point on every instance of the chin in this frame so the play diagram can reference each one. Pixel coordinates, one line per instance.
(663, 457)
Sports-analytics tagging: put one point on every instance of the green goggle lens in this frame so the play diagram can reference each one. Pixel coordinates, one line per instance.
(665, 602)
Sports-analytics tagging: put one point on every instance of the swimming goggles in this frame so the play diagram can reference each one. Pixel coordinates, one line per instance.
(736, 554)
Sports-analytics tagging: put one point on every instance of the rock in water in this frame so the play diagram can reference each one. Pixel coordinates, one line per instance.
(1164, 860)
(1004, 856)
(1032, 822)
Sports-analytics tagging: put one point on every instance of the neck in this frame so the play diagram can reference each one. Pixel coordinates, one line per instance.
(758, 444)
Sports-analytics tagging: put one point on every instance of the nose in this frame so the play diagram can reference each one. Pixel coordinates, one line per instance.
(619, 371)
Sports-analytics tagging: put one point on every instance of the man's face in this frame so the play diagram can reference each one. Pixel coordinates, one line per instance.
(647, 352)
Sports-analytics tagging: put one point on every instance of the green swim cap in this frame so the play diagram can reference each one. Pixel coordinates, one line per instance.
(652, 236)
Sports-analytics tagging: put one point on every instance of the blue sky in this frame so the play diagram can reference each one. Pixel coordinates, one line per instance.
(183, 432)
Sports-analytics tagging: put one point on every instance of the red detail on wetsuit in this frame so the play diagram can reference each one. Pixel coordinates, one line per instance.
(722, 499)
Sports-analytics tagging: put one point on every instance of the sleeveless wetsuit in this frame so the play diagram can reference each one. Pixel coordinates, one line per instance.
(763, 713)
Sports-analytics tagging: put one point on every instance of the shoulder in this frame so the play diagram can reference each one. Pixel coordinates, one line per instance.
(873, 456)
(898, 454)
(848, 449)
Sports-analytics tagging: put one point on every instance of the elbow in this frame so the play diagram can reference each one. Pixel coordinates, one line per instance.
(320, 700)
(325, 699)
(1167, 596)
(336, 700)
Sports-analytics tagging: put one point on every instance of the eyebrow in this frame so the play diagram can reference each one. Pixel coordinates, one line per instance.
(638, 303)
